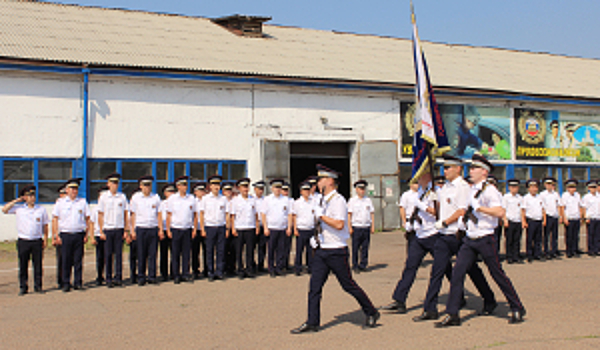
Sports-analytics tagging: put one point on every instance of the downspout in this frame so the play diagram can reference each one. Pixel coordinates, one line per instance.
(84, 173)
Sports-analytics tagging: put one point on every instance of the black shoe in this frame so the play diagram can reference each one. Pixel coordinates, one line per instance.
(39, 290)
(273, 274)
(22, 292)
(488, 309)
(530, 260)
(250, 275)
(79, 287)
(99, 282)
(448, 321)
(219, 277)
(463, 303)
(363, 269)
(559, 254)
(110, 284)
(164, 278)
(298, 273)
(517, 316)
(134, 280)
(549, 257)
(211, 278)
(511, 261)
(371, 321)
(188, 279)
(520, 261)
(152, 282)
(426, 316)
(355, 270)
(569, 255)
(395, 306)
(305, 328)
(241, 275)
(66, 288)
(118, 283)
(141, 283)
(177, 280)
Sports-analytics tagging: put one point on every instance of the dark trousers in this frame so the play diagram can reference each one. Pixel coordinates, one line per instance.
(336, 261)
(466, 257)
(133, 261)
(287, 250)
(215, 245)
(30, 249)
(230, 252)
(572, 238)
(593, 236)
(114, 247)
(513, 241)
(262, 242)
(199, 243)
(551, 235)
(181, 246)
(498, 234)
(245, 239)
(166, 266)
(59, 265)
(444, 249)
(147, 246)
(276, 250)
(100, 263)
(303, 246)
(72, 258)
(361, 238)
(417, 249)
(533, 246)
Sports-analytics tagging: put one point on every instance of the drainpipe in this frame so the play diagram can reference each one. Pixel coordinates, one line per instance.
(84, 173)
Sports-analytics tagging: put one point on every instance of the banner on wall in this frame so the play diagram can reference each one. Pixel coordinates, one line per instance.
(557, 136)
(469, 129)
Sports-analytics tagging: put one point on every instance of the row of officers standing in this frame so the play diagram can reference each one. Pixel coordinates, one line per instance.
(215, 231)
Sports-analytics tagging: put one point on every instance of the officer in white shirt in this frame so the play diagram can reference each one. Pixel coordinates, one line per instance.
(113, 219)
(552, 206)
(98, 242)
(245, 226)
(493, 181)
(331, 254)
(315, 196)
(407, 204)
(70, 226)
(591, 213)
(533, 219)
(181, 228)
(32, 230)
(213, 220)
(277, 219)
(62, 193)
(230, 239)
(512, 202)
(285, 191)
(199, 241)
(304, 226)
(572, 206)
(166, 268)
(361, 216)
(480, 220)
(261, 241)
(147, 227)
(130, 239)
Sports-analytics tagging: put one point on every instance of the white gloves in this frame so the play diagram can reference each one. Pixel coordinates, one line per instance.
(439, 225)
(433, 196)
(319, 212)
(408, 226)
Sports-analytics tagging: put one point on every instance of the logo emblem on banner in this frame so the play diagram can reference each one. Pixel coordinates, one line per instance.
(532, 127)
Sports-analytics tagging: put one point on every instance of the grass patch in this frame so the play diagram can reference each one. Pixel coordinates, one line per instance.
(8, 246)
(583, 337)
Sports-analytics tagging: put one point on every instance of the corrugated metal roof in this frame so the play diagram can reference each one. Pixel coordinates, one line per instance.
(96, 36)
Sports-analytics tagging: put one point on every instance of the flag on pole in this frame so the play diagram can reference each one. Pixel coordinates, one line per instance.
(430, 138)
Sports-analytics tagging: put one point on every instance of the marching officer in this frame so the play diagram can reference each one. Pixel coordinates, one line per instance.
(98, 242)
(32, 229)
(533, 219)
(453, 202)
(245, 227)
(147, 228)
(262, 240)
(407, 204)
(304, 226)
(361, 216)
(512, 202)
(552, 203)
(166, 267)
(277, 220)
(181, 228)
(70, 226)
(331, 254)
(571, 201)
(199, 241)
(591, 213)
(62, 193)
(485, 207)
(213, 221)
(113, 219)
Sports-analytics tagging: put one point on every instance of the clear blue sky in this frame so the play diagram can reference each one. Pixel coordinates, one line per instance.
(567, 27)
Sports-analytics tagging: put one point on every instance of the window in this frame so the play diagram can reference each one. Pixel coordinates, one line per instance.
(46, 175)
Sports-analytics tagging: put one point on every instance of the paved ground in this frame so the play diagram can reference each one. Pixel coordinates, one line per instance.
(562, 299)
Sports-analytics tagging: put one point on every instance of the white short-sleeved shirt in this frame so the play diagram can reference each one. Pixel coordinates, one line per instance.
(276, 210)
(259, 204)
(489, 198)
(145, 209)
(552, 202)
(453, 196)
(71, 214)
(572, 204)
(591, 203)
(533, 206)
(30, 221)
(114, 208)
(94, 220)
(305, 214)
(316, 198)
(361, 209)
(182, 211)
(244, 211)
(512, 204)
(215, 210)
(426, 227)
(335, 207)
(407, 201)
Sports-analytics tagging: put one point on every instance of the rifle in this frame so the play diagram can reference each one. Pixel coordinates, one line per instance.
(469, 215)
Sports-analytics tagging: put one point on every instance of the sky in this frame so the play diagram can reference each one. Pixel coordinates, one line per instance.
(564, 27)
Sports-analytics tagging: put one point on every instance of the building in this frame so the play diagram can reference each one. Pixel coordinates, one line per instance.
(88, 91)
